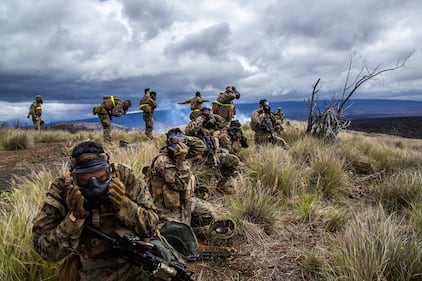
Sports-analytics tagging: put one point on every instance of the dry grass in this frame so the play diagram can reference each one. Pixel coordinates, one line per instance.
(297, 214)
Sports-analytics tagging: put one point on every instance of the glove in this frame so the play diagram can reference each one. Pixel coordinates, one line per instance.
(181, 151)
(117, 192)
(75, 202)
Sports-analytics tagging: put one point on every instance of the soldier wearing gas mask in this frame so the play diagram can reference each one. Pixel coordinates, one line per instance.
(212, 130)
(172, 185)
(107, 196)
(263, 123)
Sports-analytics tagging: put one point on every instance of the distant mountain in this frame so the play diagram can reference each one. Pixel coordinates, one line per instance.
(356, 109)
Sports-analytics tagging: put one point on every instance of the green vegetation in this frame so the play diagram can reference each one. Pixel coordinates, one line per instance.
(350, 210)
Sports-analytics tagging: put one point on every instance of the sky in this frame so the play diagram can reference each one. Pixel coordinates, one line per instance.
(74, 52)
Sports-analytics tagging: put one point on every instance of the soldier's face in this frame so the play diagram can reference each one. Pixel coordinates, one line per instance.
(102, 175)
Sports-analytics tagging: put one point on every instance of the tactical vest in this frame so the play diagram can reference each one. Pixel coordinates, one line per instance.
(109, 102)
(164, 195)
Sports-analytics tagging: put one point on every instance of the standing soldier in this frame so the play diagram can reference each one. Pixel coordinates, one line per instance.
(238, 139)
(35, 110)
(147, 104)
(195, 105)
(110, 107)
(224, 105)
(262, 122)
(279, 118)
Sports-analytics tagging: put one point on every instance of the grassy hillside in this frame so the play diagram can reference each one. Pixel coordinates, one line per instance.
(345, 211)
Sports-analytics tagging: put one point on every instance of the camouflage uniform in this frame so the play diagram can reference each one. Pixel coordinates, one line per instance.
(56, 236)
(172, 186)
(224, 105)
(110, 107)
(147, 104)
(195, 105)
(225, 165)
(35, 111)
(263, 125)
(278, 118)
(238, 140)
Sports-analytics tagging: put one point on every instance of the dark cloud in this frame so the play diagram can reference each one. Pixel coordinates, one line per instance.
(213, 41)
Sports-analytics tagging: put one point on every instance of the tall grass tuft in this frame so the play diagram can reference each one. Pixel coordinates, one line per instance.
(375, 247)
(11, 139)
(19, 261)
(414, 213)
(328, 174)
(307, 205)
(399, 191)
(274, 168)
(254, 206)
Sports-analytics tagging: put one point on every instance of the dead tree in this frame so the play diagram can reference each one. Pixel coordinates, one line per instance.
(328, 123)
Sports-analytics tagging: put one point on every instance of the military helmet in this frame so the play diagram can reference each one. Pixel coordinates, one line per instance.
(146, 90)
(180, 236)
(198, 94)
(88, 157)
(38, 98)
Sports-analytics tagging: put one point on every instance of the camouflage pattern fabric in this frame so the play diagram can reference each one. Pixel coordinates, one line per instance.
(224, 106)
(106, 115)
(149, 122)
(148, 104)
(195, 106)
(55, 235)
(106, 123)
(166, 175)
(262, 133)
(228, 163)
(35, 111)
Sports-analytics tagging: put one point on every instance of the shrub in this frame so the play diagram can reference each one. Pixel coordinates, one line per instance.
(328, 174)
(256, 206)
(375, 247)
(399, 191)
(15, 139)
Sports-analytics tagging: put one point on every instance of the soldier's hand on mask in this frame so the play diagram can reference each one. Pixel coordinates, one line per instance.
(117, 193)
(181, 151)
(75, 202)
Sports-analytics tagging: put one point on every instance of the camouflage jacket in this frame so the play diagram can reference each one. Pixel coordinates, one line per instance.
(195, 102)
(55, 236)
(258, 120)
(118, 110)
(226, 97)
(148, 100)
(35, 109)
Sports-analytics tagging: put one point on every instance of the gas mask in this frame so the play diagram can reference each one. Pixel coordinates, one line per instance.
(95, 192)
(174, 139)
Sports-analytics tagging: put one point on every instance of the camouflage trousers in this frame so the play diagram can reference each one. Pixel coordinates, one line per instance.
(149, 122)
(36, 120)
(106, 123)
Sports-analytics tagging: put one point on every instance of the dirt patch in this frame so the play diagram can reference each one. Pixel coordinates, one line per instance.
(22, 162)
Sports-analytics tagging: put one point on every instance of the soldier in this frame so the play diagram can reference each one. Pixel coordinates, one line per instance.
(195, 105)
(279, 118)
(224, 105)
(213, 132)
(110, 107)
(147, 104)
(238, 140)
(172, 186)
(104, 195)
(35, 110)
(262, 122)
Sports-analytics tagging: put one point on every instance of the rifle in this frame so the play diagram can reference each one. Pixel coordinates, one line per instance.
(207, 255)
(268, 126)
(211, 149)
(139, 252)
